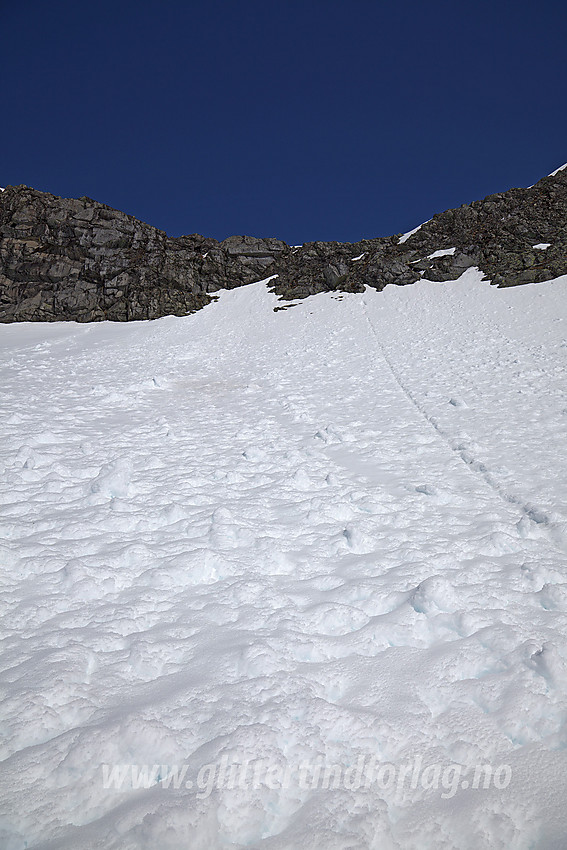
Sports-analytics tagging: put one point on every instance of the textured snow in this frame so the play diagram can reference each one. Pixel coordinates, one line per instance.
(442, 252)
(311, 535)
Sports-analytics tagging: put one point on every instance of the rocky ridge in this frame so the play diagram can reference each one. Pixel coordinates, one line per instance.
(67, 259)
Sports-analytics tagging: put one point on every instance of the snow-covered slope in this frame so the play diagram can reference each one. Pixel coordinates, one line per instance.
(315, 558)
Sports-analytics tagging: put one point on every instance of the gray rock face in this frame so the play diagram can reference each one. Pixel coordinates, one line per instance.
(65, 259)
(81, 260)
(496, 234)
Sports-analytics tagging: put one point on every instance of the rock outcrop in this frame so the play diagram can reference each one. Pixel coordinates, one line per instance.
(79, 259)
(497, 234)
(65, 259)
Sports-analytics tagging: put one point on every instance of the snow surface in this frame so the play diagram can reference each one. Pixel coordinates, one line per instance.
(442, 252)
(314, 535)
(557, 170)
(542, 246)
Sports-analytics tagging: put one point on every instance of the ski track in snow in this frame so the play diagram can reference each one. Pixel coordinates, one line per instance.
(330, 531)
(466, 448)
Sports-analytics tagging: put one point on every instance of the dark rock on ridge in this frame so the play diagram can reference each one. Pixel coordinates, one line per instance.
(81, 260)
(496, 234)
(65, 259)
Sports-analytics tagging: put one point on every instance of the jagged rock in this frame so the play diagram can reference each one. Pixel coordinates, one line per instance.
(496, 234)
(81, 260)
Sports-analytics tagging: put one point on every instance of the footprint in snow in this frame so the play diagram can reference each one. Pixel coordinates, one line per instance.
(113, 479)
(358, 541)
(254, 454)
(302, 480)
(432, 595)
(426, 489)
(328, 435)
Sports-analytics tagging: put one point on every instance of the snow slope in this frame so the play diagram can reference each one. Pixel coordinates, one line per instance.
(311, 537)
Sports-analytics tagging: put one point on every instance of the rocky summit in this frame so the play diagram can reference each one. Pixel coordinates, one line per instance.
(80, 260)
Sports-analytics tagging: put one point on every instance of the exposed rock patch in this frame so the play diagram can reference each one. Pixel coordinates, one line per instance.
(78, 259)
(497, 234)
(84, 261)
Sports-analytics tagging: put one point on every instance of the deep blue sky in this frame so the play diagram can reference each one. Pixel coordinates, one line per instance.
(319, 119)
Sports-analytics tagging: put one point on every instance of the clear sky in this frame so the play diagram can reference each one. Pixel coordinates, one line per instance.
(319, 119)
